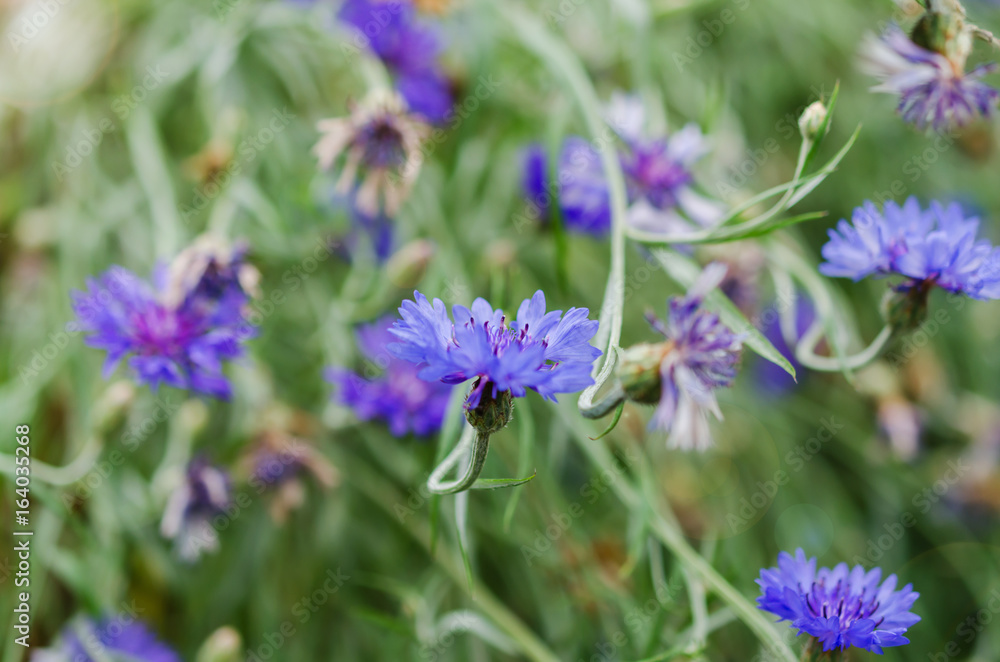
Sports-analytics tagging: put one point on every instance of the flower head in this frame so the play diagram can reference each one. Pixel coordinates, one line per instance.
(936, 246)
(934, 89)
(583, 197)
(408, 48)
(657, 173)
(187, 519)
(178, 331)
(681, 374)
(124, 638)
(380, 143)
(390, 389)
(548, 352)
(839, 607)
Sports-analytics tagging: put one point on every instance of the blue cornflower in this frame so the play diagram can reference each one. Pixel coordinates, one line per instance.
(121, 637)
(390, 390)
(179, 330)
(839, 607)
(681, 374)
(410, 51)
(657, 172)
(204, 493)
(936, 246)
(583, 197)
(934, 89)
(548, 352)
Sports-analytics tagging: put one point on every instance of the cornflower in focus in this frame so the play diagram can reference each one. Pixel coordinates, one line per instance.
(839, 607)
(545, 351)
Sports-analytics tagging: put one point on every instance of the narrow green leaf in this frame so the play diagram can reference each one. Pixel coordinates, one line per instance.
(498, 483)
(685, 271)
(614, 421)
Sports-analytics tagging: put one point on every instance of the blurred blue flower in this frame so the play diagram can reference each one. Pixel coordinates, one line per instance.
(548, 352)
(839, 607)
(772, 379)
(187, 519)
(936, 246)
(409, 49)
(123, 637)
(700, 356)
(657, 174)
(935, 91)
(583, 197)
(392, 392)
(177, 331)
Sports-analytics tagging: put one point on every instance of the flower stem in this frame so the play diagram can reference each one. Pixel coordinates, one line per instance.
(806, 351)
(472, 448)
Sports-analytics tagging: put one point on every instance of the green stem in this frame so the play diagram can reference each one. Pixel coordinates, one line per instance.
(670, 535)
(473, 446)
(805, 352)
(555, 54)
(386, 497)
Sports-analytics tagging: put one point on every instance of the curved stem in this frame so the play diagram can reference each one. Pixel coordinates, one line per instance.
(554, 53)
(64, 475)
(805, 352)
(472, 447)
(605, 405)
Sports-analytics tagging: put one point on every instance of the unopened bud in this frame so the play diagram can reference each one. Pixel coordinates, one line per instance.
(492, 413)
(639, 371)
(813, 124)
(407, 265)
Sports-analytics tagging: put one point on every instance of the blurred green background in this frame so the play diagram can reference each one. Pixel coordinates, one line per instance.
(120, 125)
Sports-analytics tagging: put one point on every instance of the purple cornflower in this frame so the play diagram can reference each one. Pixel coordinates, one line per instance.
(657, 174)
(681, 374)
(934, 89)
(392, 392)
(547, 352)
(179, 330)
(770, 377)
(839, 607)
(408, 48)
(936, 246)
(187, 518)
(89, 640)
